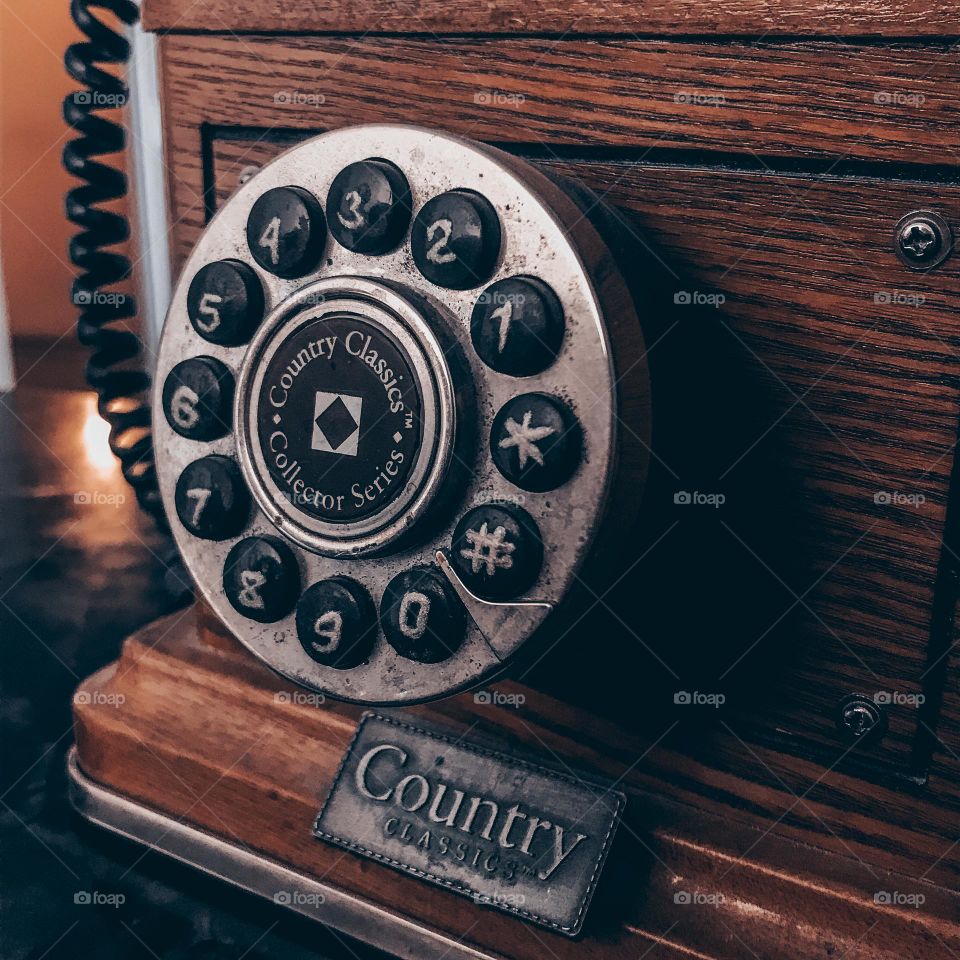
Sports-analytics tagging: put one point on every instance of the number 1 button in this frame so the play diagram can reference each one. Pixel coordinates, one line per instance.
(286, 231)
(456, 239)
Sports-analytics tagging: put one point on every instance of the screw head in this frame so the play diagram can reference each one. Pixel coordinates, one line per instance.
(923, 240)
(859, 718)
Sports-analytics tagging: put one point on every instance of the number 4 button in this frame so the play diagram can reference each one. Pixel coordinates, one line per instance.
(286, 231)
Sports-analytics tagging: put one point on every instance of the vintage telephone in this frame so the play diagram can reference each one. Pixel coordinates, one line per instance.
(433, 410)
(402, 392)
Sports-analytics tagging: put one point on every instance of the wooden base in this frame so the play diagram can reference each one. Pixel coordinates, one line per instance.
(188, 726)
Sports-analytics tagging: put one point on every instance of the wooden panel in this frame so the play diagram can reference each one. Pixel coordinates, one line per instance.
(888, 18)
(850, 358)
(821, 352)
(812, 100)
(184, 708)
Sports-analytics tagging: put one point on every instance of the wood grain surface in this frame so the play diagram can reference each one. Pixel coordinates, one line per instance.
(859, 18)
(800, 100)
(827, 378)
(212, 737)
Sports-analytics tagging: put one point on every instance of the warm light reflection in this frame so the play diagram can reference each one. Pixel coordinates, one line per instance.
(96, 446)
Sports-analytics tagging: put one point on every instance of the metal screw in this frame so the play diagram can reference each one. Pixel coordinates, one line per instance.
(860, 718)
(923, 240)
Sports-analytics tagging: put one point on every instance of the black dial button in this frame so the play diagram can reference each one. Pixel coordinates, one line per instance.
(337, 622)
(517, 326)
(422, 618)
(225, 302)
(286, 231)
(261, 578)
(211, 498)
(535, 442)
(497, 551)
(197, 396)
(369, 206)
(456, 239)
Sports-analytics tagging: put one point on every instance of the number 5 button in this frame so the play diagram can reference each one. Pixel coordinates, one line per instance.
(456, 239)
(225, 302)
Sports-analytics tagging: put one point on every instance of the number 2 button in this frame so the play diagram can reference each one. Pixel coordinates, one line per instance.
(456, 239)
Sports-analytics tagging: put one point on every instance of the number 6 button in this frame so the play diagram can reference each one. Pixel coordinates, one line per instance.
(456, 239)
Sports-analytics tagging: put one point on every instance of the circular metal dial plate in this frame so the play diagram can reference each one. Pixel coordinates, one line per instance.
(422, 332)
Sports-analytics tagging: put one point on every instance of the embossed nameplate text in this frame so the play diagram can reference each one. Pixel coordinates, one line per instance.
(502, 831)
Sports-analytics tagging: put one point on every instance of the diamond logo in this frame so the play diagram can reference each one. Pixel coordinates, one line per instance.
(336, 423)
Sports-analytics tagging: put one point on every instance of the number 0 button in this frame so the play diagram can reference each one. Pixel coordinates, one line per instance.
(225, 302)
(535, 441)
(211, 499)
(369, 206)
(286, 231)
(497, 551)
(337, 622)
(456, 239)
(261, 578)
(196, 398)
(421, 616)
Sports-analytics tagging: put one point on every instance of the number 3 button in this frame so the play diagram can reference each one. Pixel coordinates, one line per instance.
(286, 231)
(456, 239)
(261, 578)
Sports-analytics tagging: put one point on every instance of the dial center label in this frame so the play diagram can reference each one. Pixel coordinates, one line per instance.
(339, 418)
